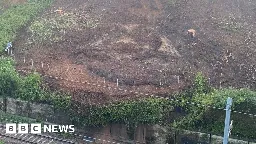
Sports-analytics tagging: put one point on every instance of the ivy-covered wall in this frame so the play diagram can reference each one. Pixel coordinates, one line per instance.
(147, 111)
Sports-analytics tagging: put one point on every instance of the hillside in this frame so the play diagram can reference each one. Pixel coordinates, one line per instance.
(142, 43)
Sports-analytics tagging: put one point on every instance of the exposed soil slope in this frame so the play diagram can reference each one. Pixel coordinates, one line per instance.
(143, 44)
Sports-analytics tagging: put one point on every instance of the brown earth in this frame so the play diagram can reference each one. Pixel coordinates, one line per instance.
(143, 44)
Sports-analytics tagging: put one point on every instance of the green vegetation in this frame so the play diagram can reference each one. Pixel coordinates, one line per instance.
(148, 111)
(27, 88)
(8, 77)
(16, 17)
(1, 10)
(1, 142)
(197, 118)
(5, 4)
(4, 117)
(12, 84)
(54, 27)
(130, 113)
(212, 120)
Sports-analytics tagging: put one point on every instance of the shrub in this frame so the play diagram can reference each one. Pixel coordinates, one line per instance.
(10, 80)
(212, 120)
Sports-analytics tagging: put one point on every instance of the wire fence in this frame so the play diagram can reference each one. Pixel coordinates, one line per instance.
(177, 136)
(126, 91)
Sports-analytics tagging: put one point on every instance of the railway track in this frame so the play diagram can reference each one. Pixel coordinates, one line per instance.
(30, 138)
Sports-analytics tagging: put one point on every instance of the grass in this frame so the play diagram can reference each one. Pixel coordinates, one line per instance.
(53, 28)
(14, 18)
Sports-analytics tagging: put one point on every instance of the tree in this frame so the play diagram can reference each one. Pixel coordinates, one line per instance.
(9, 79)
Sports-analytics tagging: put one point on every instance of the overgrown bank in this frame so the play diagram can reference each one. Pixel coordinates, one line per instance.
(28, 88)
(14, 18)
(211, 119)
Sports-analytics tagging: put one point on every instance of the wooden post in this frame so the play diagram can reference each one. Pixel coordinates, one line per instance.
(32, 63)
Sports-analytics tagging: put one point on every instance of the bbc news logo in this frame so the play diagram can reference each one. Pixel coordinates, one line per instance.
(24, 128)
